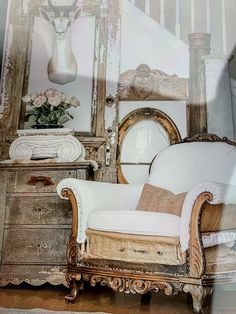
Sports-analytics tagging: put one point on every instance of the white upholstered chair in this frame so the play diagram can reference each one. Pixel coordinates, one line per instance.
(140, 251)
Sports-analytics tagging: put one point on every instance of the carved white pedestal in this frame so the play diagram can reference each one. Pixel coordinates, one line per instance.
(57, 144)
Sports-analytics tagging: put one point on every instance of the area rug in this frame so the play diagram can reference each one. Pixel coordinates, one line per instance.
(42, 311)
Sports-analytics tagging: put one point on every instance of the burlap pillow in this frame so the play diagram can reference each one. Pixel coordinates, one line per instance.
(156, 199)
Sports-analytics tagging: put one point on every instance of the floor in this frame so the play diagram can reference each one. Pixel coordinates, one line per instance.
(104, 299)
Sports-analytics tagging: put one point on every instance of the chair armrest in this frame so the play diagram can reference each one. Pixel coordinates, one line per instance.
(190, 234)
(220, 193)
(91, 196)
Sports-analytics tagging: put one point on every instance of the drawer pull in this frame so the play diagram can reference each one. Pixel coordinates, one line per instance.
(47, 181)
(38, 212)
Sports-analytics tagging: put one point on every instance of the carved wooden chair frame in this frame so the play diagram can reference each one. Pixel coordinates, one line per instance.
(190, 277)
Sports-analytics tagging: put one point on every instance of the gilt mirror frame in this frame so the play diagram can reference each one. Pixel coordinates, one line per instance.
(138, 115)
(17, 60)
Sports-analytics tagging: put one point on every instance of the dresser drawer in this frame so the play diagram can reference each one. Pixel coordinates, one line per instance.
(37, 181)
(44, 209)
(35, 246)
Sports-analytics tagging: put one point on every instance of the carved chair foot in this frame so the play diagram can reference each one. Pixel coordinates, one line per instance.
(198, 294)
(74, 291)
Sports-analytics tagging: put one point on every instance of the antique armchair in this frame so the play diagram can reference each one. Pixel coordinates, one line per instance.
(137, 251)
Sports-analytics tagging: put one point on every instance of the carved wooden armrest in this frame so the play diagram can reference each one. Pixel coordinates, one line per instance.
(197, 261)
(72, 250)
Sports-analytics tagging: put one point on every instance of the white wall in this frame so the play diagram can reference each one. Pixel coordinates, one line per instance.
(145, 41)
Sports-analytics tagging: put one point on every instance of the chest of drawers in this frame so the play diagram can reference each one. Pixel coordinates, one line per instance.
(34, 222)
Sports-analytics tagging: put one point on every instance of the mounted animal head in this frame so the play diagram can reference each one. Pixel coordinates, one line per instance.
(62, 18)
(62, 66)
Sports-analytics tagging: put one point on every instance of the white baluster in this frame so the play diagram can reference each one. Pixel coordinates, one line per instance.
(177, 19)
(147, 7)
(224, 36)
(162, 13)
(208, 16)
(192, 16)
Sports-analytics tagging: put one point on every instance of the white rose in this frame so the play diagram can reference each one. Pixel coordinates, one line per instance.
(49, 92)
(74, 102)
(26, 98)
(33, 96)
(67, 99)
(54, 101)
(39, 101)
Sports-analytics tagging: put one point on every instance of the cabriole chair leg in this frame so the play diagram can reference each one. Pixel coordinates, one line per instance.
(198, 294)
(74, 290)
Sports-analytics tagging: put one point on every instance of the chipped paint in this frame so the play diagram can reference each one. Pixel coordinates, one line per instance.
(25, 7)
(55, 276)
(6, 70)
(102, 53)
(110, 116)
(113, 50)
(113, 138)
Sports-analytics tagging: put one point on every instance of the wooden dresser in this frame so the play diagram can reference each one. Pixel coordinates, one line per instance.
(34, 221)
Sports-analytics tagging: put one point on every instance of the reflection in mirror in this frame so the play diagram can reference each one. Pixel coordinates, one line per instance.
(143, 133)
(142, 142)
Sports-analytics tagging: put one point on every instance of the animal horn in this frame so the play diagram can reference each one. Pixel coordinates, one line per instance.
(70, 8)
(54, 8)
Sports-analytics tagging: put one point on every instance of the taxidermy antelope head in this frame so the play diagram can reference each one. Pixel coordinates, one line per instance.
(62, 66)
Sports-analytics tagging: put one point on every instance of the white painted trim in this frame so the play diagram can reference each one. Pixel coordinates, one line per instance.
(224, 35)
(162, 13)
(208, 16)
(156, 29)
(147, 7)
(177, 18)
(192, 16)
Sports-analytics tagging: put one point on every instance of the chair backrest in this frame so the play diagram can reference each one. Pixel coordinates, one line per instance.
(181, 166)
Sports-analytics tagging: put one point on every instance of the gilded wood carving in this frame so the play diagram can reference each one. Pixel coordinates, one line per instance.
(146, 84)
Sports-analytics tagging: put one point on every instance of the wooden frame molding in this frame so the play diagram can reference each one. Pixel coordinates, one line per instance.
(146, 84)
(141, 114)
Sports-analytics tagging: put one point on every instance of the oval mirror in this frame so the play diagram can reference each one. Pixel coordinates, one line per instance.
(142, 134)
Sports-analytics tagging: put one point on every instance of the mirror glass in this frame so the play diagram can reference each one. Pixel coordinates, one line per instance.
(142, 141)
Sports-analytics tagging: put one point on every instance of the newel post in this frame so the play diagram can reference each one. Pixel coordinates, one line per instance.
(199, 46)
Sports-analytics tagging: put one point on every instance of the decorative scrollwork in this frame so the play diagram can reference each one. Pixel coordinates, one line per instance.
(144, 83)
(197, 263)
(205, 137)
(72, 251)
(129, 285)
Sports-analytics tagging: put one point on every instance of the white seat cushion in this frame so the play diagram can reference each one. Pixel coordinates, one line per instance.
(135, 222)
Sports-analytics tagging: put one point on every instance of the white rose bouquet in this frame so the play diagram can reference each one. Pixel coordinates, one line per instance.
(49, 107)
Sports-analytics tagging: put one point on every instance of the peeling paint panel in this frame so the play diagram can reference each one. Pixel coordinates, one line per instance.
(110, 116)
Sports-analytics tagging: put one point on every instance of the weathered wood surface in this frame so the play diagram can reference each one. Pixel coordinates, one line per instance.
(35, 246)
(199, 45)
(35, 275)
(134, 248)
(34, 221)
(41, 209)
(36, 180)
